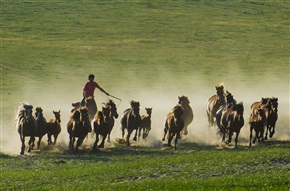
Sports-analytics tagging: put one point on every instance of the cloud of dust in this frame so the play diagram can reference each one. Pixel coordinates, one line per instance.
(162, 96)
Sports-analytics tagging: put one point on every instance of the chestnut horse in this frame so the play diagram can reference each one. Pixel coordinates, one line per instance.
(26, 126)
(101, 126)
(41, 125)
(130, 120)
(214, 103)
(232, 120)
(145, 124)
(78, 126)
(174, 124)
(54, 127)
(187, 115)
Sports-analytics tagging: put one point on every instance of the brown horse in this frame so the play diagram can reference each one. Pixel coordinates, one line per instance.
(232, 120)
(54, 127)
(101, 126)
(78, 127)
(214, 103)
(230, 103)
(41, 125)
(257, 123)
(91, 105)
(113, 114)
(130, 120)
(145, 124)
(187, 115)
(270, 108)
(26, 126)
(173, 125)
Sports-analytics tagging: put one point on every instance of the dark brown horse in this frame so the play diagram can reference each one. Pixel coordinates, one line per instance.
(54, 127)
(145, 124)
(26, 126)
(257, 123)
(130, 120)
(173, 125)
(78, 127)
(101, 126)
(270, 108)
(214, 103)
(91, 105)
(272, 118)
(113, 114)
(187, 115)
(41, 125)
(232, 120)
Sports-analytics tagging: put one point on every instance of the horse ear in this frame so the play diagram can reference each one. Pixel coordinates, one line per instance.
(59, 111)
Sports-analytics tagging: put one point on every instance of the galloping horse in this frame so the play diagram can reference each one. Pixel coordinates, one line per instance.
(214, 103)
(174, 124)
(26, 126)
(91, 105)
(78, 126)
(272, 118)
(41, 125)
(145, 124)
(54, 127)
(187, 115)
(232, 121)
(230, 103)
(113, 114)
(130, 120)
(257, 122)
(101, 124)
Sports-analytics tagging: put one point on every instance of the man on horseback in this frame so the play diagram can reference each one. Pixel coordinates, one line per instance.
(90, 88)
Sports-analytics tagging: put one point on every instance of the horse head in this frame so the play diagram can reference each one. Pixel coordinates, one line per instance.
(28, 111)
(113, 109)
(148, 111)
(38, 113)
(135, 108)
(220, 93)
(240, 110)
(84, 116)
(76, 115)
(231, 102)
(106, 113)
(57, 116)
(183, 100)
(274, 103)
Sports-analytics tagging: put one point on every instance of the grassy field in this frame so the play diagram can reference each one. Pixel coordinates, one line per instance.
(149, 51)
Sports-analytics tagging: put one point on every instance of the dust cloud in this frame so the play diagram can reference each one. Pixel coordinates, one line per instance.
(160, 95)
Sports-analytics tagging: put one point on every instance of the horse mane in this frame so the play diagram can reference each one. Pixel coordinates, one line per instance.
(220, 85)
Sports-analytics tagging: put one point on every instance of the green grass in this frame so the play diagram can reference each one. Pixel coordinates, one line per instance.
(166, 48)
(191, 167)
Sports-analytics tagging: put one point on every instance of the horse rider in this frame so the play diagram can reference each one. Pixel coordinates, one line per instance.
(90, 88)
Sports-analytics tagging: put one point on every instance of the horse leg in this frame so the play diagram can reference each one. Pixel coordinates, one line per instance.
(96, 141)
(176, 138)
(55, 138)
(22, 138)
(272, 130)
(267, 128)
(171, 135)
(38, 143)
(251, 129)
(31, 143)
(135, 137)
(128, 137)
(102, 145)
(48, 138)
(139, 133)
(108, 140)
(236, 140)
(123, 132)
(230, 137)
(165, 131)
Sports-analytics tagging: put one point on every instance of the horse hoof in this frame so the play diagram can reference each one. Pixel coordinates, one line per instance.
(134, 139)
(101, 146)
(163, 139)
(22, 152)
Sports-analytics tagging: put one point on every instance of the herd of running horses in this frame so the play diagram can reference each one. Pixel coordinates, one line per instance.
(222, 109)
